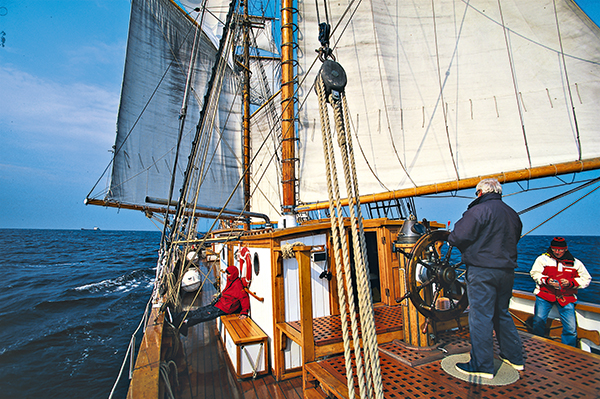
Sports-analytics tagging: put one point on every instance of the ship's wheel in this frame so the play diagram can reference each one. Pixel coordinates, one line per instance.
(435, 282)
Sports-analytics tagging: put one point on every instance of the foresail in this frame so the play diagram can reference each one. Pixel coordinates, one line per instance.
(265, 126)
(159, 46)
(444, 90)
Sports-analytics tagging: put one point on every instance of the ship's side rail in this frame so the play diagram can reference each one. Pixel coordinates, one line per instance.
(146, 373)
(246, 345)
(588, 318)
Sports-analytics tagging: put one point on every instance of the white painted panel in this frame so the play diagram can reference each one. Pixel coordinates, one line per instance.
(256, 353)
(291, 289)
(231, 349)
(292, 355)
(320, 287)
(262, 312)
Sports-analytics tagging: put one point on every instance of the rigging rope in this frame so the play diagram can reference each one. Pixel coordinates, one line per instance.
(562, 210)
(514, 80)
(369, 374)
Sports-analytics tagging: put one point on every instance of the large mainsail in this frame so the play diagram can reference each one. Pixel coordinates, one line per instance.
(446, 90)
(160, 42)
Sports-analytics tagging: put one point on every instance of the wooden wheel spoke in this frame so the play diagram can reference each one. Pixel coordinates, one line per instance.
(425, 284)
(448, 254)
(422, 263)
(441, 272)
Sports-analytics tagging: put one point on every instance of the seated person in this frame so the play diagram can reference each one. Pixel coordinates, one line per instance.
(233, 299)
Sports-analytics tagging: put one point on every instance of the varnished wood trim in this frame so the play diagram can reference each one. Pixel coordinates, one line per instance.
(327, 381)
(290, 332)
(146, 374)
(583, 306)
(506, 177)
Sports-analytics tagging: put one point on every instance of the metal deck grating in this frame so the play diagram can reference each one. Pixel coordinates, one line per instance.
(551, 371)
(328, 329)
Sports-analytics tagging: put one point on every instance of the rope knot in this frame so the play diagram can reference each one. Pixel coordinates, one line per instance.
(287, 250)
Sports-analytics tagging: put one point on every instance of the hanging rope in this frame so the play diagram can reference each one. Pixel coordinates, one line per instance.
(336, 216)
(369, 383)
(366, 306)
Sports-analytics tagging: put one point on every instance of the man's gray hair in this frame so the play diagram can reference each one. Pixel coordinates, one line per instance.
(489, 186)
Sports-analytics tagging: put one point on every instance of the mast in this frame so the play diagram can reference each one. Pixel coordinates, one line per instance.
(181, 206)
(288, 130)
(246, 116)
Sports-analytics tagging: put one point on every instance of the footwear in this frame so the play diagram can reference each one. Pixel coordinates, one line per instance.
(466, 368)
(183, 329)
(518, 367)
(178, 318)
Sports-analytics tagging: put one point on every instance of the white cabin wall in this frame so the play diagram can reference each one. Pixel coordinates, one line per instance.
(262, 312)
(320, 287)
(320, 294)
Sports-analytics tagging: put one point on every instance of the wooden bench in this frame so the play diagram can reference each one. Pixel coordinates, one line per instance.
(246, 345)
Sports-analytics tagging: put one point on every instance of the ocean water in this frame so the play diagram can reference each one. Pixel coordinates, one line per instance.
(72, 299)
(70, 302)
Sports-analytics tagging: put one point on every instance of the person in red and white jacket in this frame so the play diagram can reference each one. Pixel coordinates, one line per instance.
(558, 276)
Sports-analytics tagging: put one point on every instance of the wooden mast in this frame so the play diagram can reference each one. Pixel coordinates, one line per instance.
(246, 116)
(288, 104)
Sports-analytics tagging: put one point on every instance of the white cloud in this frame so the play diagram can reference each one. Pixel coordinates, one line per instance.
(56, 114)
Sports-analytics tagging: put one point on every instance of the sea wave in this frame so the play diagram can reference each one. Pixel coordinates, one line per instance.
(124, 283)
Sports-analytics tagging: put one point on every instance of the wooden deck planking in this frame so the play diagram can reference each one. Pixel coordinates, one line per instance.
(551, 371)
(208, 374)
(267, 388)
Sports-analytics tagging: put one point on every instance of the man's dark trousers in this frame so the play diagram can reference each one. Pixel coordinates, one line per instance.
(492, 289)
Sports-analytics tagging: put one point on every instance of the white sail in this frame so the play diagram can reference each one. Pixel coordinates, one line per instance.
(213, 21)
(447, 89)
(265, 129)
(158, 54)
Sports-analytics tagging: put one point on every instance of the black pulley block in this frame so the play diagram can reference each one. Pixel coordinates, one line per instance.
(334, 76)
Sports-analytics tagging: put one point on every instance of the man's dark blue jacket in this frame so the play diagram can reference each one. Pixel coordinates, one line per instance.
(488, 233)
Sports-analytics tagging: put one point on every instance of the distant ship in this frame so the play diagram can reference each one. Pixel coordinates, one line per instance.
(94, 229)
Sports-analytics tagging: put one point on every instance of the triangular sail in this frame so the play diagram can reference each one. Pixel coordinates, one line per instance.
(449, 90)
(158, 54)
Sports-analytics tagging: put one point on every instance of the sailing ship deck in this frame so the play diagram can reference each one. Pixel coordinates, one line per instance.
(208, 376)
(552, 370)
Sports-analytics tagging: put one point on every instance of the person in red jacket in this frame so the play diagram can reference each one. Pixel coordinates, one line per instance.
(233, 299)
(558, 276)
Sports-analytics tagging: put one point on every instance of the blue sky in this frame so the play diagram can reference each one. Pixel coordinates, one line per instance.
(60, 75)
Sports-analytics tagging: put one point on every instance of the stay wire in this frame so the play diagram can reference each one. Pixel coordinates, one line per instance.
(562, 210)
(591, 182)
